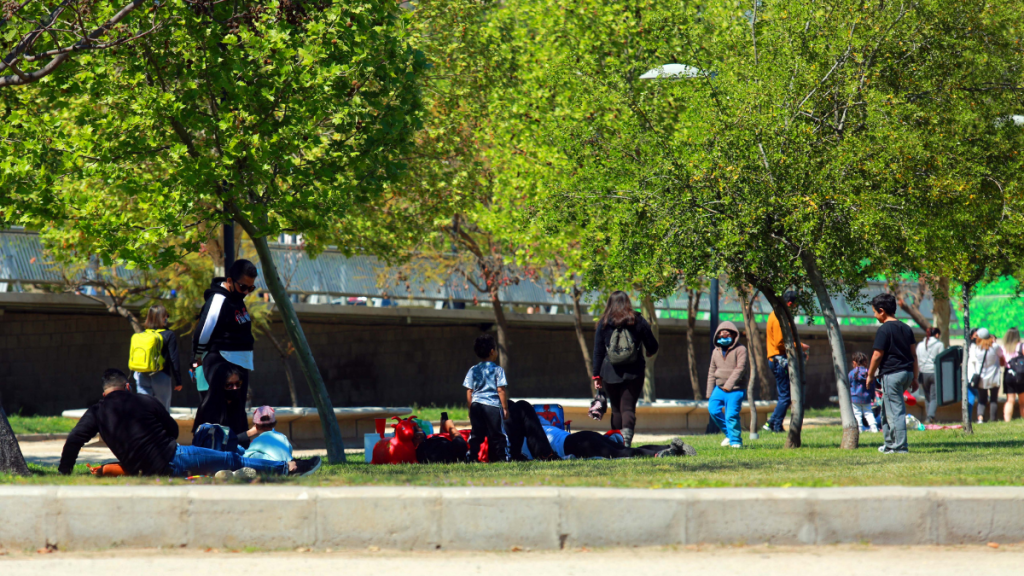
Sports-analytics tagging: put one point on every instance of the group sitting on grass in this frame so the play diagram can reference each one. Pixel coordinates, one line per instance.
(144, 438)
(511, 431)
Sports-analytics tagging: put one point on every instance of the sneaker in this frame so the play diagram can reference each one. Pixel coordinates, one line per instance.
(306, 466)
(664, 453)
(247, 474)
(882, 448)
(767, 427)
(929, 420)
(224, 475)
(735, 445)
(725, 442)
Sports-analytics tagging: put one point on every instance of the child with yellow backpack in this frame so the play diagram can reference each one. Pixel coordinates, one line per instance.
(154, 357)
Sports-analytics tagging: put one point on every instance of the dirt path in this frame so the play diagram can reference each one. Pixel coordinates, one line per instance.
(760, 560)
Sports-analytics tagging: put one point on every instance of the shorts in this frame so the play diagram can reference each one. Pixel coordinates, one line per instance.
(1013, 383)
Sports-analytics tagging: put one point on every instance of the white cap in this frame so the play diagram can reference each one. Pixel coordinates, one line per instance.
(983, 333)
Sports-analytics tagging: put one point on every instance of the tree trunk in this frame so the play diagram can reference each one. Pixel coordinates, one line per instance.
(577, 320)
(11, 459)
(851, 428)
(750, 324)
(693, 301)
(941, 308)
(965, 407)
(796, 366)
(328, 421)
(499, 316)
(650, 395)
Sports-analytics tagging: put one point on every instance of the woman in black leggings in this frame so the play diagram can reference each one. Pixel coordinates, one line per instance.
(587, 444)
(619, 369)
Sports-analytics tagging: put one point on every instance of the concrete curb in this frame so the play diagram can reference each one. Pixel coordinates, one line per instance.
(41, 437)
(269, 517)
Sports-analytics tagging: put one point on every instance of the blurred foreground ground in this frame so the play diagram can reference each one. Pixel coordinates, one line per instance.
(761, 560)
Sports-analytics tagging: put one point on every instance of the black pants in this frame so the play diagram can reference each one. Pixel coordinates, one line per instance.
(588, 444)
(488, 422)
(440, 450)
(524, 424)
(623, 398)
(220, 406)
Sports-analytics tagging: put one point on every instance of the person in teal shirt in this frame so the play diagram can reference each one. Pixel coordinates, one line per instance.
(269, 444)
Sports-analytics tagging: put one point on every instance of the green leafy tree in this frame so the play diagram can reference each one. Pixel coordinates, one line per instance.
(277, 115)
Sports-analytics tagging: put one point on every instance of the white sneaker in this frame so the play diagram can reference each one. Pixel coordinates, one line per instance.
(725, 442)
(246, 473)
(736, 445)
(881, 448)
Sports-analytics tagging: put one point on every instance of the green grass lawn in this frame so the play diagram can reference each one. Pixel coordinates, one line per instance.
(994, 455)
(41, 424)
(433, 413)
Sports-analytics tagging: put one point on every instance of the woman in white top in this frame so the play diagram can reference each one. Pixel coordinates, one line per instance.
(1013, 382)
(927, 350)
(986, 360)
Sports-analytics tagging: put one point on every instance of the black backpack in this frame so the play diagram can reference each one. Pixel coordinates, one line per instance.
(1016, 365)
(623, 349)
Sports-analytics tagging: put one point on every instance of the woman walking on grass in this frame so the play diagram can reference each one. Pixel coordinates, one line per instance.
(927, 350)
(622, 339)
(1013, 378)
(985, 367)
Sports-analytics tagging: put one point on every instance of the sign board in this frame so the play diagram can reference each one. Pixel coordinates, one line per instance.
(948, 376)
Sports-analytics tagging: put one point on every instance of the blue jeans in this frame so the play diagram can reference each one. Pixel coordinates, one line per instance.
(157, 384)
(894, 409)
(780, 368)
(731, 402)
(192, 460)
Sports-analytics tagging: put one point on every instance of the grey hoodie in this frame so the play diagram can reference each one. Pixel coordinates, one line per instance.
(729, 369)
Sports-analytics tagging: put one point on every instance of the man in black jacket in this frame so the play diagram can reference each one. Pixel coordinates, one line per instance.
(224, 335)
(144, 438)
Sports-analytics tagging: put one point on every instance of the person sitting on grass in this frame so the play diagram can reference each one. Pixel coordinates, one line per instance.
(488, 401)
(269, 444)
(144, 439)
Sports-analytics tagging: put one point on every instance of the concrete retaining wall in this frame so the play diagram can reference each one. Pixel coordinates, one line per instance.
(53, 348)
(497, 518)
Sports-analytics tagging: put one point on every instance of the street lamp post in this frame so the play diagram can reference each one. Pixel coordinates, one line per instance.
(678, 72)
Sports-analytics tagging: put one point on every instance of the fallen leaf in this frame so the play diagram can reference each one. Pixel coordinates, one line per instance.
(517, 548)
(43, 551)
(993, 544)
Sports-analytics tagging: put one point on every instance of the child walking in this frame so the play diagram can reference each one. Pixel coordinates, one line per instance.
(861, 394)
(488, 402)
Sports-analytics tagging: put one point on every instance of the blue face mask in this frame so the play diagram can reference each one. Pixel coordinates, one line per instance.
(724, 342)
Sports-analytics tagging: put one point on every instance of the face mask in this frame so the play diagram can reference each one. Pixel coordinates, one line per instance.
(724, 342)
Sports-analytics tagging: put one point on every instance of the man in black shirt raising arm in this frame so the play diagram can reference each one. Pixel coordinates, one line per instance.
(144, 438)
(894, 364)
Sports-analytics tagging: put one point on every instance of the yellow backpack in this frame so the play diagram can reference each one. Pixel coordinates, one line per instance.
(146, 352)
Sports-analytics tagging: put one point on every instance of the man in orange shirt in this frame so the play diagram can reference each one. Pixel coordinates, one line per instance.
(779, 364)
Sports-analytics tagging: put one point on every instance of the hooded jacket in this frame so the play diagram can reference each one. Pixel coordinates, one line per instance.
(224, 323)
(728, 368)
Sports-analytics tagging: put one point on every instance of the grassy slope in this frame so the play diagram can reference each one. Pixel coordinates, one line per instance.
(993, 456)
